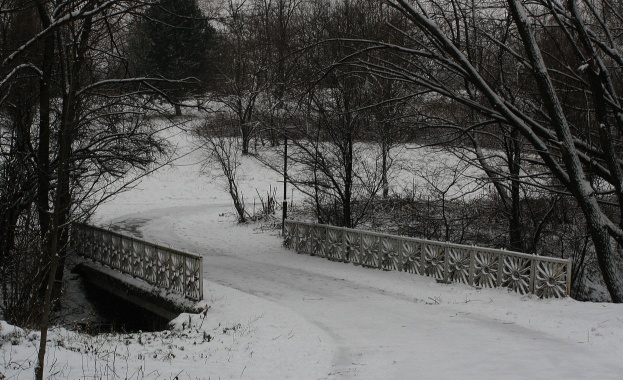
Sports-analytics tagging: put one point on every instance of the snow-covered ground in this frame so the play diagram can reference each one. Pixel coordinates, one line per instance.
(273, 314)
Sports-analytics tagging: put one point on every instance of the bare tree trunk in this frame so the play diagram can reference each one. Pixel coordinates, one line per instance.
(347, 214)
(246, 138)
(515, 227)
(52, 236)
(48, 223)
(580, 187)
(47, 303)
(60, 209)
(43, 158)
(384, 169)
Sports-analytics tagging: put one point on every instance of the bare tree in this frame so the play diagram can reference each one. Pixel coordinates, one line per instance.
(223, 153)
(242, 69)
(335, 115)
(277, 24)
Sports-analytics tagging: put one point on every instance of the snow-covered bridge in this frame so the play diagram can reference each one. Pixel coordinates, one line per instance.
(164, 280)
(547, 277)
(160, 279)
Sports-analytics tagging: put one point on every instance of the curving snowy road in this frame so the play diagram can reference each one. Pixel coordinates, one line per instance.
(388, 325)
(364, 323)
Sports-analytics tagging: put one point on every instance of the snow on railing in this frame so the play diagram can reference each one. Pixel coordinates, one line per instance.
(447, 262)
(163, 267)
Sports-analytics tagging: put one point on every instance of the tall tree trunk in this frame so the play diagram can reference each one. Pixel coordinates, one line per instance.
(60, 209)
(43, 154)
(347, 212)
(44, 175)
(246, 140)
(72, 62)
(59, 216)
(384, 168)
(51, 245)
(515, 227)
(580, 186)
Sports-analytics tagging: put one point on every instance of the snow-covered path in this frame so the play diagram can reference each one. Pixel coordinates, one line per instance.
(388, 325)
(358, 322)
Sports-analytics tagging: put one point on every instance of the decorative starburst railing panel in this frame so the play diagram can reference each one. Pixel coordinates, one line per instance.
(319, 241)
(303, 240)
(167, 268)
(352, 246)
(434, 259)
(389, 253)
(411, 256)
(334, 249)
(546, 277)
(458, 264)
(289, 236)
(370, 250)
(550, 279)
(517, 274)
(485, 273)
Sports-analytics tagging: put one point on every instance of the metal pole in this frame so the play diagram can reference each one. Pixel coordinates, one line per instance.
(284, 206)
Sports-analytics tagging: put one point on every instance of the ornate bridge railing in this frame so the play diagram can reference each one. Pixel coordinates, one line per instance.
(163, 267)
(447, 262)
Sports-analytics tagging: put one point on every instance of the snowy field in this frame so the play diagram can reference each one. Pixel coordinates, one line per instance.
(273, 314)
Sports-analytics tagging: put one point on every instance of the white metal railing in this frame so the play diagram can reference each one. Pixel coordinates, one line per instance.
(163, 267)
(448, 262)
